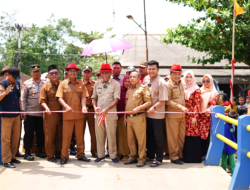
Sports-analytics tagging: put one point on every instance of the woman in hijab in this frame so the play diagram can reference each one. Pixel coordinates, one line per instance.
(192, 146)
(122, 142)
(209, 96)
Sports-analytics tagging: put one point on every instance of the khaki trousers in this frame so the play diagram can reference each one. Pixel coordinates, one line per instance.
(91, 123)
(136, 131)
(122, 139)
(101, 133)
(68, 127)
(10, 137)
(53, 134)
(176, 131)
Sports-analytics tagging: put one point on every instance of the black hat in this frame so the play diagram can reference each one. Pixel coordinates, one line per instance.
(51, 67)
(35, 68)
(87, 68)
(14, 72)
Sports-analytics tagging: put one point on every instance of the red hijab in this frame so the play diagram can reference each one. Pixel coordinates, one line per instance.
(121, 103)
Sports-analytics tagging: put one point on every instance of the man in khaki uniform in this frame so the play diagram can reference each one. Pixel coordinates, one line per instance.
(155, 121)
(52, 121)
(143, 70)
(137, 100)
(72, 96)
(89, 84)
(176, 124)
(105, 97)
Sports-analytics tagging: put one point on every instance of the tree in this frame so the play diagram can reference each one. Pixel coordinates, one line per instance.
(212, 33)
(54, 43)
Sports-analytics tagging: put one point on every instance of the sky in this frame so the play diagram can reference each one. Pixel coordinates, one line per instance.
(97, 15)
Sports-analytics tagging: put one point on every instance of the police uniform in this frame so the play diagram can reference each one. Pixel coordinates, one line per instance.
(71, 120)
(90, 117)
(105, 93)
(10, 132)
(52, 122)
(136, 124)
(30, 103)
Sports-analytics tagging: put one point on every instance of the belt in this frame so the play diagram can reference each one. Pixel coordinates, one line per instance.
(133, 115)
(90, 107)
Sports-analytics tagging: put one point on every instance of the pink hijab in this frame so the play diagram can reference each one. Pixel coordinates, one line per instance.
(207, 94)
(189, 88)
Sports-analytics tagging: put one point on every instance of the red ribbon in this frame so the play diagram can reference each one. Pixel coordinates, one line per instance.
(101, 119)
(233, 66)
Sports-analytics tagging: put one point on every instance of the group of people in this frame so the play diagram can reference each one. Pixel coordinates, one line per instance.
(140, 116)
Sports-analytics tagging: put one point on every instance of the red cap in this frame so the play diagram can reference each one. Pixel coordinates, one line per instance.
(71, 66)
(105, 68)
(98, 74)
(176, 69)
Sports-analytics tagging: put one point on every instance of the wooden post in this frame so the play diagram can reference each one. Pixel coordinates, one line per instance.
(232, 72)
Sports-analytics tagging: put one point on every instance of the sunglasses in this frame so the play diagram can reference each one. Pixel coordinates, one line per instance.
(206, 81)
(53, 73)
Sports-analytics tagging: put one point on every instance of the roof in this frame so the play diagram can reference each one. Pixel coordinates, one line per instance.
(166, 55)
(170, 54)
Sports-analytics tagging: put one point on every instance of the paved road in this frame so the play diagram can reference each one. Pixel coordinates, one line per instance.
(41, 174)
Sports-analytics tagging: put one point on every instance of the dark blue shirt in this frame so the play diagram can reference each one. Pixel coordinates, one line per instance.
(10, 103)
(230, 134)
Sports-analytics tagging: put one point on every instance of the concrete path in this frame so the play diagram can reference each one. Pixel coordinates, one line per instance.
(41, 174)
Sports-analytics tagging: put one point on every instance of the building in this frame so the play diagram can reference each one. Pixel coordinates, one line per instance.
(167, 55)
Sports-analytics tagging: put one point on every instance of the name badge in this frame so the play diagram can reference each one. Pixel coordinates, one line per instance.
(66, 88)
(99, 88)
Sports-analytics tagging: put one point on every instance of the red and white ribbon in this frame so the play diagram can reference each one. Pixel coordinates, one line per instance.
(101, 119)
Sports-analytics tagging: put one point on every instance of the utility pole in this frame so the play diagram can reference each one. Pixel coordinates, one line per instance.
(144, 30)
(19, 28)
(145, 23)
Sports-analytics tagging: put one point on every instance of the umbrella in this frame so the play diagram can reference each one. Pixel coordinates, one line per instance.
(104, 46)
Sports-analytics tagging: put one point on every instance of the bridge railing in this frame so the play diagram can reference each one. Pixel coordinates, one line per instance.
(241, 174)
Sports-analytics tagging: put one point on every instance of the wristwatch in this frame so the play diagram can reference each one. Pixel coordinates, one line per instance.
(154, 107)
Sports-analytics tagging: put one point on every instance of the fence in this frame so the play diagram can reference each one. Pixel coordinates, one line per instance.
(241, 175)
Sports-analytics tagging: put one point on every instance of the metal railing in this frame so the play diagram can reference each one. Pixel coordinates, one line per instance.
(241, 175)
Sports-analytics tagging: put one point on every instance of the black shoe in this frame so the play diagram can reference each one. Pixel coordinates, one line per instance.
(83, 158)
(9, 165)
(177, 161)
(73, 152)
(53, 159)
(107, 155)
(99, 159)
(94, 155)
(15, 161)
(63, 161)
(115, 161)
(40, 153)
(19, 155)
(28, 157)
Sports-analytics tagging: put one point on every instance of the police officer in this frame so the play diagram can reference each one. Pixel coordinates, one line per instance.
(52, 121)
(72, 96)
(9, 102)
(33, 122)
(89, 84)
(137, 100)
(105, 96)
